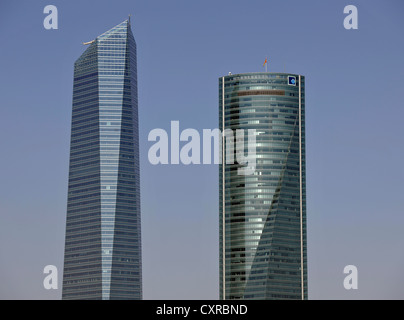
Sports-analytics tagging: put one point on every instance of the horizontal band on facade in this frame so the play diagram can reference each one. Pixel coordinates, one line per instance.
(261, 92)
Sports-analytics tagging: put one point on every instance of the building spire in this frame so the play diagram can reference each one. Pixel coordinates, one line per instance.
(89, 42)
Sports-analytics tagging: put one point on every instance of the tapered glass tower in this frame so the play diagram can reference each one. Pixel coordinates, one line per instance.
(263, 215)
(103, 242)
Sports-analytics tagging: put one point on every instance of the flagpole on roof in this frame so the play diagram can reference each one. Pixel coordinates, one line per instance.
(266, 64)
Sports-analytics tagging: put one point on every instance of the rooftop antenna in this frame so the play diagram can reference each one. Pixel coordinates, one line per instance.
(129, 18)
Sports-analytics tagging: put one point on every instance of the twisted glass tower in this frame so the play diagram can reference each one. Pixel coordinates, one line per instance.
(102, 257)
(263, 215)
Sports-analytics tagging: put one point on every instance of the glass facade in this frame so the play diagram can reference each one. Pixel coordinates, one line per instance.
(263, 251)
(103, 242)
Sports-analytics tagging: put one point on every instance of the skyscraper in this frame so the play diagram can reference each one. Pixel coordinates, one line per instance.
(263, 252)
(103, 242)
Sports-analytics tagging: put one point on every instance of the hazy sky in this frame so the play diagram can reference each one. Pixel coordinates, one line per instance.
(354, 133)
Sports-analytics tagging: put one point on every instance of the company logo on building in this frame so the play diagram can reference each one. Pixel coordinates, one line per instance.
(291, 80)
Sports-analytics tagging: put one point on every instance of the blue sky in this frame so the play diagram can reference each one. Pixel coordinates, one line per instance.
(354, 134)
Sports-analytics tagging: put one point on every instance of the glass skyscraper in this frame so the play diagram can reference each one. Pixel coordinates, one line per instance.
(102, 257)
(263, 251)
